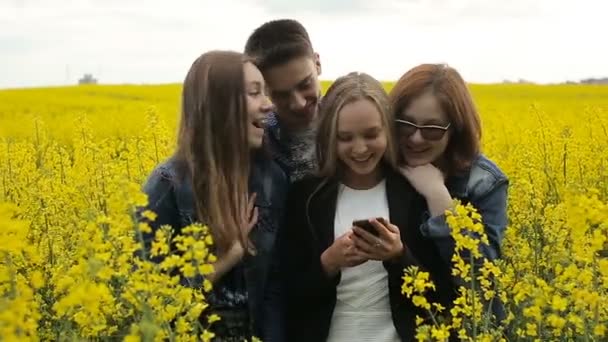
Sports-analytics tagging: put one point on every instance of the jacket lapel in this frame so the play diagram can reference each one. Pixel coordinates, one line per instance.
(321, 210)
(399, 195)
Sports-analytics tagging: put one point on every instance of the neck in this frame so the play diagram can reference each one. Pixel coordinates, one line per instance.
(363, 182)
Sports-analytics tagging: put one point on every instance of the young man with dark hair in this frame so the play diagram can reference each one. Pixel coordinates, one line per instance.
(284, 54)
(291, 67)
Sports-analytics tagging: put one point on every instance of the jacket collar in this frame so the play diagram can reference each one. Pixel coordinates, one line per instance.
(321, 205)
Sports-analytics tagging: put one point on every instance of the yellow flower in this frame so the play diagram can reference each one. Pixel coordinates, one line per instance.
(213, 318)
(441, 333)
(531, 329)
(423, 333)
(207, 335)
(599, 330)
(559, 303)
(421, 302)
(37, 279)
(150, 215)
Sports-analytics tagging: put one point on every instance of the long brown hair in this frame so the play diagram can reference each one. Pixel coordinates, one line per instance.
(212, 142)
(451, 91)
(347, 89)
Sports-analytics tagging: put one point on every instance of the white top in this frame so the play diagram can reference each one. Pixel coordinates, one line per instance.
(362, 311)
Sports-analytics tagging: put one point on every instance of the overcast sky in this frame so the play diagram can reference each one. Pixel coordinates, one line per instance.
(53, 42)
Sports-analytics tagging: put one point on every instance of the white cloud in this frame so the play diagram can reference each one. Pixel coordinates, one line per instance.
(137, 41)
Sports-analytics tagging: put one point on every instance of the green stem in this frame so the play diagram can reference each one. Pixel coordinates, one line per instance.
(473, 321)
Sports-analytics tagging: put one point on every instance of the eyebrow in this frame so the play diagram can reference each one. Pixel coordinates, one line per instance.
(256, 83)
(374, 129)
(304, 80)
(299, 84)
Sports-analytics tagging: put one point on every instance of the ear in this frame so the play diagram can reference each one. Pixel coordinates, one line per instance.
(317, 61)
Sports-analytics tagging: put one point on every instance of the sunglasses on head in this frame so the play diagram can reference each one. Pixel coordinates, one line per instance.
(428, 132)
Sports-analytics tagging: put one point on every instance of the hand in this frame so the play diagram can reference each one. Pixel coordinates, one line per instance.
(387, 245)
(427, 179)
(342, 253)
(236, 251)
(249, 218)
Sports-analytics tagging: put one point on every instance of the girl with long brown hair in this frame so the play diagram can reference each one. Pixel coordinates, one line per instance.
(219, 176)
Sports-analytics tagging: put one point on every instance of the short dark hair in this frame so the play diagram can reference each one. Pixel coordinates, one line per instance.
(277, 42)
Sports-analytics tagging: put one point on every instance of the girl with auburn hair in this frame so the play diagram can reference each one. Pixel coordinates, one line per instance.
(218, 176)
(348, 235)
(439, 132)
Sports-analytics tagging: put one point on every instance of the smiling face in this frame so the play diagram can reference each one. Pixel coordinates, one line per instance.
(295, 90)
(258, 105)
(423, 110)
(361, 143)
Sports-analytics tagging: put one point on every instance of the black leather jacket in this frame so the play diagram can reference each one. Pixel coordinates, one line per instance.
(251, 285)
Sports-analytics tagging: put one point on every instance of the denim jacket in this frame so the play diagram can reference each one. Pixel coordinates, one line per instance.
(485, 186)
(172, 199)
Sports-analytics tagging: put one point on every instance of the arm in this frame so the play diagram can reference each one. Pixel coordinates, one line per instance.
(161, 192)
(490, 203)
(226, 262)
(492, 207)
(161, 200)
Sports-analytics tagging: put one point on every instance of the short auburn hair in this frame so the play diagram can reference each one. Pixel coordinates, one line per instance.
(450, 89)
(277, 42)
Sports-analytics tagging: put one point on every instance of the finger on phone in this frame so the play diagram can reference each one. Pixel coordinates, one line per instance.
(364, 235)
(362, 245)
(391, 227)
(381, 228)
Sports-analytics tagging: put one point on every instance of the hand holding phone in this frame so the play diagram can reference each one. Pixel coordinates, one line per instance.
(383, 244)
(368, 226)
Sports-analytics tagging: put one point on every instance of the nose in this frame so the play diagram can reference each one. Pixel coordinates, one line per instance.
(416, 138)
(267, 105)
(297, 101)
(360, 147)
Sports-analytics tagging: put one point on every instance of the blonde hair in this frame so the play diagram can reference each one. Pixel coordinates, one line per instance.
(347, 89)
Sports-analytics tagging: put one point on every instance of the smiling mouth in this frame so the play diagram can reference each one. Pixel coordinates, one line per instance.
(417, 150)
(259, 123)
(363, 160)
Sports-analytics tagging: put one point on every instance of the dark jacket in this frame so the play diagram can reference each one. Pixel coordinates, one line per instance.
(170, 196)
(310, 295)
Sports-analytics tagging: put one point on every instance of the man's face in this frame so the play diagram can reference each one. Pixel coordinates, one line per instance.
(295, 90)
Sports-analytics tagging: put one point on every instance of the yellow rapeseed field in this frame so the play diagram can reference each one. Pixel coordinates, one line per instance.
(73, 159)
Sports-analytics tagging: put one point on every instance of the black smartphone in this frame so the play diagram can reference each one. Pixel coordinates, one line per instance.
(367, 226)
